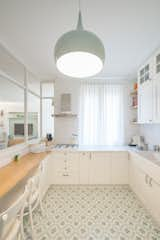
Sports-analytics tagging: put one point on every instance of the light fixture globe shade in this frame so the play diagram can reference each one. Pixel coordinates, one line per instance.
(79, 54)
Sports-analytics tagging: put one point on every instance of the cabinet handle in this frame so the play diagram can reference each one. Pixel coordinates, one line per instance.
(150, 182)
(65, 175)
(156, 103)
(146, 179)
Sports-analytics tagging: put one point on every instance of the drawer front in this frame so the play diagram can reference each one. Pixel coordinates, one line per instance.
(66, 177)
(73, 161)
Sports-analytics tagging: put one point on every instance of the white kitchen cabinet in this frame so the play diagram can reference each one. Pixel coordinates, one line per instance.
(88, 168)
(156, 87)
(66, 177)
(119, 168)
(145, 96)
(145, 93)
(156, 100)
(138, 180)
(72, 161)
(65, 167)
(145, 187)
(153, 198)
(100, 168)
(45, 181)
(84, 165)
(149, 90)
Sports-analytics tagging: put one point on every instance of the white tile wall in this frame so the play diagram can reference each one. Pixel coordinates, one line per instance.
(151, 132)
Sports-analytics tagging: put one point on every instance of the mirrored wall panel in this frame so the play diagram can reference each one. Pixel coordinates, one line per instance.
(33, 116)
(11, 113)
(47, 109)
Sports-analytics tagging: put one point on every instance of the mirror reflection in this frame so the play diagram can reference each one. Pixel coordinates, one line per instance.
(33, 116)
(11, 113)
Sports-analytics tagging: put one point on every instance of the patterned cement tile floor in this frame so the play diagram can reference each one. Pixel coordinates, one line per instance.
(93, 213)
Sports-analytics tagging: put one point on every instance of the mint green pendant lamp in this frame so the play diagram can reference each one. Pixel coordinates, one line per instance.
(79, 53)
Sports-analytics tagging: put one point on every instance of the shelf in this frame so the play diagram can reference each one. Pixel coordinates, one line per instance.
(135, 92)
(134, 123)
(134, 107)
(65, 115)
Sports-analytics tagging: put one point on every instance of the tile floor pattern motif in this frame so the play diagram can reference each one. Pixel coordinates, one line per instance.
(92, 213)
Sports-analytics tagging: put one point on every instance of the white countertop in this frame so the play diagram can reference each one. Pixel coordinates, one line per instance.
(104, 148)
(152, 156)
(149, 155)
(90, 148)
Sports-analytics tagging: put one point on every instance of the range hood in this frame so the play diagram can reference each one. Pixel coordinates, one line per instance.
(65, 106)
(66, 103)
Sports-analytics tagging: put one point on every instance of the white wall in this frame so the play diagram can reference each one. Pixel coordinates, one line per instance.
(64, 127)
(151, 132)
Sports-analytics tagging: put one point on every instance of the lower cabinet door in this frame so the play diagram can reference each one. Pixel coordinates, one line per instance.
(72, 161)
(45, 181)
(100, 168)
(138, 181)
(84, 164)
(64, 177)
(153, 198)
(147, 190)
(119, 168)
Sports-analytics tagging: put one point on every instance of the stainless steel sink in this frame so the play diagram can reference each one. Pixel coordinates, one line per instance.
(157, 155)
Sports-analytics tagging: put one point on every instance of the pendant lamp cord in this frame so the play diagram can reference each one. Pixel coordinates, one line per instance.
(79, 5)
(79, 24)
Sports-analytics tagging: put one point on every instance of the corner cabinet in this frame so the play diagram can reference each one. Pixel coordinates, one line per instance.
(145, 184)
(145, 93)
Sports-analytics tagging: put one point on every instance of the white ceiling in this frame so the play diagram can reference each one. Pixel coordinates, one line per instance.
(129, 30)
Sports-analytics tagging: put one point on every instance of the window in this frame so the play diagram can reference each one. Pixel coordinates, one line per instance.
(47, 108)
(101, 114)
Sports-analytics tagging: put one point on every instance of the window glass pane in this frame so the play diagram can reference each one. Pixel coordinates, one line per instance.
(101, 118)
(11, 113)
(47, 90)
(47, 117)
(33, 116)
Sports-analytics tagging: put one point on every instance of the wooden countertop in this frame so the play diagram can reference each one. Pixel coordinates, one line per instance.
(14, 172)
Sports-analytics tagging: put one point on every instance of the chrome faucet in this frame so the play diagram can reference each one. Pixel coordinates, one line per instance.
(156, 148)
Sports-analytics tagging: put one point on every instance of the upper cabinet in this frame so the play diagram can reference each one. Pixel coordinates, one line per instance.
(145, 93)
(156, 87)
(149, 90)
(157, 63)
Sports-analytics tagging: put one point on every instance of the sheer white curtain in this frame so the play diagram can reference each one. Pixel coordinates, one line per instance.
(101, 119)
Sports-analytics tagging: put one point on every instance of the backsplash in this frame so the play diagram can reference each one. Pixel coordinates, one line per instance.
(7, 155)
(65, 127)
(151, 132)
